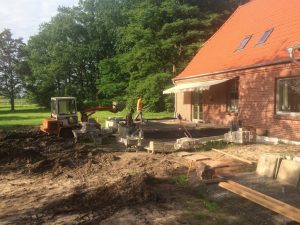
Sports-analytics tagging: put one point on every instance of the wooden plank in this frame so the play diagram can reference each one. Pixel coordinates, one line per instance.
(235, 157)
(183, 154)
(273, 204)
(196, 158)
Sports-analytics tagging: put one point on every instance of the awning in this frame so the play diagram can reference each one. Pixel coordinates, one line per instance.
(194, 86)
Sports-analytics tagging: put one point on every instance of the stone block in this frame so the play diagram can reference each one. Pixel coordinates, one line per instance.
(155, 146)
(268, 165)
(289, 172)
(187, 143)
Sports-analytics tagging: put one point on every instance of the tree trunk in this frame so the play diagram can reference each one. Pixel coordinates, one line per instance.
(12, 103)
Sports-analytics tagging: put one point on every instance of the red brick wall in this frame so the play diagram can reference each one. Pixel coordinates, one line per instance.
(256, 101)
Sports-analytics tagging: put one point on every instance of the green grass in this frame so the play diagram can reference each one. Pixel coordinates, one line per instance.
(215, 144)
(182, 180)
(24, 116)
(29, 115)
(207, 203)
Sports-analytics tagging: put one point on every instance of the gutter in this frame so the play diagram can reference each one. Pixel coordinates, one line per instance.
(235, 69)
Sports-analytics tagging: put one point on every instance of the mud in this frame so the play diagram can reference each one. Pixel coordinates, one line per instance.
(37, 152)
(49, 180)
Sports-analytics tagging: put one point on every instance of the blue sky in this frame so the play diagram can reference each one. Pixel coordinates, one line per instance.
(23, 17)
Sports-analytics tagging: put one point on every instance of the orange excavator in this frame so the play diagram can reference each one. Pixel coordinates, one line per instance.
(64, 119)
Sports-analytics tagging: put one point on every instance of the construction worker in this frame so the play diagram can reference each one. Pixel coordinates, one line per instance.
(139, 107)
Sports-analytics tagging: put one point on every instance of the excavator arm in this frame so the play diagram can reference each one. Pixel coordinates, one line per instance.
(86, 113)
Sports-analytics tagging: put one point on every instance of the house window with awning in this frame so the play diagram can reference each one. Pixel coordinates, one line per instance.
(288, 96)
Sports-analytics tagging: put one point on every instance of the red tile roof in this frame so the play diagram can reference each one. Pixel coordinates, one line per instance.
(254, 18)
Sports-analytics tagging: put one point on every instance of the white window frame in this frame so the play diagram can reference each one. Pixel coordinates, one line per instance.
(277, 110)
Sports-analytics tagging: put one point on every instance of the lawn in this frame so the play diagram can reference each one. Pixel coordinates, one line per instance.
(29, 115)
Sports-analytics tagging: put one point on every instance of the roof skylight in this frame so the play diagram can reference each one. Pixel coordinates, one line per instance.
(265, 36)
(244, 42)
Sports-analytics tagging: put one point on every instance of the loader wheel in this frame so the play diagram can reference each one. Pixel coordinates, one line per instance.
(66, 133)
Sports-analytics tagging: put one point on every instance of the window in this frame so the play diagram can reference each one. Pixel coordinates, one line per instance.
(264, 37)
(233, 96)
(53, 107)
(288, 96)
(244, 42)
(66, 107)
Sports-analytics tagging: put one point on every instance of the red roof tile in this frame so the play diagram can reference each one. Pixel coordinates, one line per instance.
(254, 18)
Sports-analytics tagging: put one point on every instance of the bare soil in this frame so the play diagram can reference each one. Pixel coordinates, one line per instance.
(49, 180)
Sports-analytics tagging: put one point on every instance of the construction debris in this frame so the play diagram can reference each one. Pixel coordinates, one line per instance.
(262, 199)
(187, 143)
(129, 140)
(240, 137)
(160, 147)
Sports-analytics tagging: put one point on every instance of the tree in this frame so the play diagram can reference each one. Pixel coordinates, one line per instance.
(155, 42)
(103, 50)
(10, 58)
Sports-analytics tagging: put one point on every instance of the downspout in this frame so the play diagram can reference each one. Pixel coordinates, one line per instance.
(175, 107)
(291, 51)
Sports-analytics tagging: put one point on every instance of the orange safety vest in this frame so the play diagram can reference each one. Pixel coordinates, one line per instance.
(139, 105)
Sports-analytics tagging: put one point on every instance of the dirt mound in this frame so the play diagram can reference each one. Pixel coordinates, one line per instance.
(94, 205)
(17, 154)
(34, 133)
(35, 150)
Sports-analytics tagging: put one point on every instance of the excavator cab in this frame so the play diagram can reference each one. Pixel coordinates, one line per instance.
(64, 109)
(63, 117)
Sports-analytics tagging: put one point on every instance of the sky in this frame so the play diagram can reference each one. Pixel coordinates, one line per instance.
(23, 17)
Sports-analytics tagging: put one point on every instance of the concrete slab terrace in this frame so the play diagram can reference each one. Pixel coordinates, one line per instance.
(172, 129)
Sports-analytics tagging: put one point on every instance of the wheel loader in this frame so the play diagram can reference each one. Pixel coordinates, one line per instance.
(64, 119)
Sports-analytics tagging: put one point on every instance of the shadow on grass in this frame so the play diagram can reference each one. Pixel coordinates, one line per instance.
(22, 118)
(29, 110)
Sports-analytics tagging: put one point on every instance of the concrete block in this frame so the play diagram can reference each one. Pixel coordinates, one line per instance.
(289, 172)
(155, 146)
(240, 136)
(228, 136)
(187, 143)
(268, 165)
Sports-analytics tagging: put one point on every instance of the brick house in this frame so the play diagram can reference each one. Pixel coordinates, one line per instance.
(247, 71)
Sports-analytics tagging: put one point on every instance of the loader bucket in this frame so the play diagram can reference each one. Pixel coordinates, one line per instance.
(66, 132)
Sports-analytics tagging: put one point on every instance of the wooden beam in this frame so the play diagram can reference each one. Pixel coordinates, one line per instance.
(273, 204)
(234, 156)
